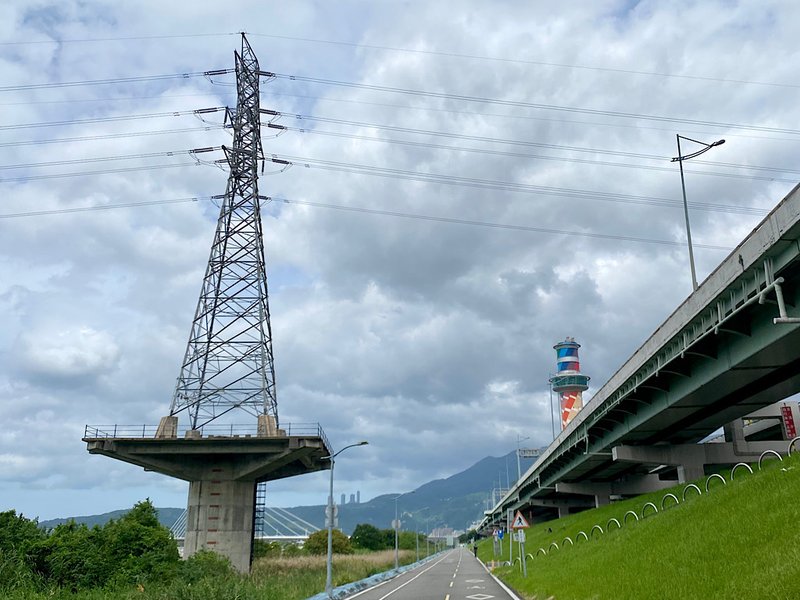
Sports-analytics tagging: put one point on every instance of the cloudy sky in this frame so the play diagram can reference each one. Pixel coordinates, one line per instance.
(522, 149)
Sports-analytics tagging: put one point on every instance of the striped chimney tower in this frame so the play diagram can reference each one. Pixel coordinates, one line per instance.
(568, 381)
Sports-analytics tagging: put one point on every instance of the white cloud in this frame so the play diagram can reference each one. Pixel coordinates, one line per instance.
(412, 333)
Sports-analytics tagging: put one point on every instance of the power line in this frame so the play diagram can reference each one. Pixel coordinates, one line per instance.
(504, 185)
(115, 39)
(371, 211)
(428, 145)
(493, 225)
(79, 209)
(109, 99)
(76, 161)
(524, 143)
(175, 113)
(507, 116)
(527, 62)
(89, 138)
(98, 172)
(111, 81)
(521, 104)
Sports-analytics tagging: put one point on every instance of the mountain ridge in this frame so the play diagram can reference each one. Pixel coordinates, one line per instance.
(455, 501)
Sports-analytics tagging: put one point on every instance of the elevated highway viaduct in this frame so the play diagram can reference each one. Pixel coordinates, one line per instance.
(731, 348)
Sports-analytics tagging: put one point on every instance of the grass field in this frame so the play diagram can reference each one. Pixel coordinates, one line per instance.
(740, 540)
(294, 578)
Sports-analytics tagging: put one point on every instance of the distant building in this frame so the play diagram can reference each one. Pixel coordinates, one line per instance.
(569, 383)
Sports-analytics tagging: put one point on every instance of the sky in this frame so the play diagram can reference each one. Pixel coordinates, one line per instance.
(470, 183)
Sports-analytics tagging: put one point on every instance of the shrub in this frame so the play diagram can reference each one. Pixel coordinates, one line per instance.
(317, 543)
(369, 537)
(204, 563)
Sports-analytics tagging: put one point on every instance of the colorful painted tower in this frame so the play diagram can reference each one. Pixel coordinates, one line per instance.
(568, 381)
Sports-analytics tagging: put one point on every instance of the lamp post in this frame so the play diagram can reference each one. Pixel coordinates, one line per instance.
(679, 159)
(397, 531)
(329, 562)
(521, 439)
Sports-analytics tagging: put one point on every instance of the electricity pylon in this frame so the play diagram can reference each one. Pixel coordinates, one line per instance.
(228, 362)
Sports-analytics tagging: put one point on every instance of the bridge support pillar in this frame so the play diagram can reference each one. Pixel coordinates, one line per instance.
(734, 431)
(690, 472)
(601, 500)
(220, 517)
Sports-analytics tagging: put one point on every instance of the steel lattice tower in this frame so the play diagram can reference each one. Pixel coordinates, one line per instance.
(228, 362)
(228, 366)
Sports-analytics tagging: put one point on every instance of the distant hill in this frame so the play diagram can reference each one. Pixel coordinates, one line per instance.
(167, 516)
(455, 501)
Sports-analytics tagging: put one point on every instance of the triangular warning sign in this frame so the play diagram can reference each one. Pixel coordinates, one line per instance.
(519, 522)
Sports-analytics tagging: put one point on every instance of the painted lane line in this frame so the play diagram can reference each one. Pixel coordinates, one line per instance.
(506, 589)
(399, 587)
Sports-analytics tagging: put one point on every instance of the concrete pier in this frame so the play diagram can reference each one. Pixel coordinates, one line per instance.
(222, 470)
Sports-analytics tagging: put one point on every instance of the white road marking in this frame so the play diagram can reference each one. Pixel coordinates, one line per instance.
(399, 587)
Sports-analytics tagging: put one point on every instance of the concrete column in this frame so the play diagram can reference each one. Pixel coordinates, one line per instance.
(220, 517)
(690, 472)
(734, 431)
(167, 428)
(563, 511)
(601, 500)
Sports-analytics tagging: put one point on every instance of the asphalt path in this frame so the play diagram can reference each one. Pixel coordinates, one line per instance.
(457, 575)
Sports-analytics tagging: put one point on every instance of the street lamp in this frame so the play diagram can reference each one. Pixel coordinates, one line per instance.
(521, 439)
(329, 565)
(679, 159)
(397, 531)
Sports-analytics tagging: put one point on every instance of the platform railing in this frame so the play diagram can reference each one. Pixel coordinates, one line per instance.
(208, 431)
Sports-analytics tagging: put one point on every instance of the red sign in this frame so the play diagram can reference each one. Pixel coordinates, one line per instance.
(788, 422)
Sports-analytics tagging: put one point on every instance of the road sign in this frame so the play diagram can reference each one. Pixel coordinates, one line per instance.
(519, 522)
(529, 452)
(500, 533)
(396, 524)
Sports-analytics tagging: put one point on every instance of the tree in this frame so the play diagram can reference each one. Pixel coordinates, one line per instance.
(407, 540)
(139, 546)
(17, 536)
(368, 537)
(17, 532)
(469, 536)
(131, 550)
(317, 543)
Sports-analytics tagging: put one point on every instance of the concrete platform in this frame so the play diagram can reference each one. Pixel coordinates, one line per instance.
(223, 466)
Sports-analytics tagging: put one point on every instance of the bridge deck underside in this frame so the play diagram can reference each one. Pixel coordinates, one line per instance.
(744, 363)
(734, 374)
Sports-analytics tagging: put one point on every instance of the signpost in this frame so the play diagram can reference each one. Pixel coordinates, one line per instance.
(509, 521)
(335, 522)
(520, 524)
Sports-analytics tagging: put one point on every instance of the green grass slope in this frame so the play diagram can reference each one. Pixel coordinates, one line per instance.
(740, 540)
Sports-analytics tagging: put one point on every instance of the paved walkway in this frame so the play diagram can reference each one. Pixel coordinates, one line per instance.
(457, 575)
